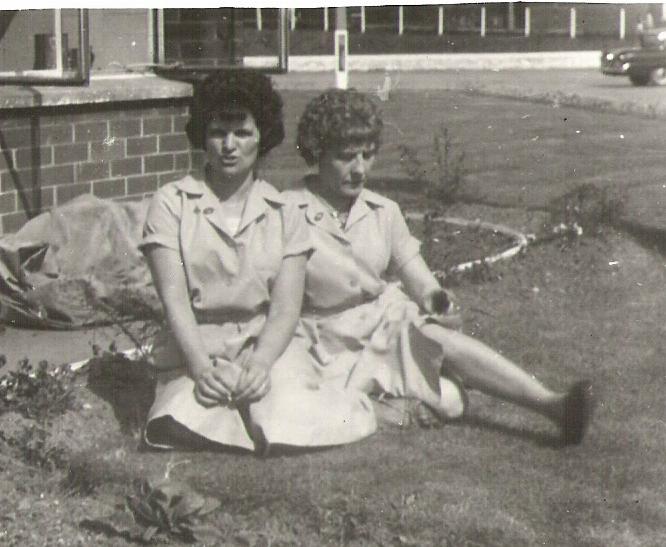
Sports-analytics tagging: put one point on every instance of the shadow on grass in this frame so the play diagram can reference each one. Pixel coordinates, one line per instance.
(539, 438)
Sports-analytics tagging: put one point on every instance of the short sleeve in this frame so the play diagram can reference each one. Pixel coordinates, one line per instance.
(404, 246)
(297, 240)
(162, 221)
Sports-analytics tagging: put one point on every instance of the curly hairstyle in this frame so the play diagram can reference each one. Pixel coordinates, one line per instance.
(336, 118)
(229, 90)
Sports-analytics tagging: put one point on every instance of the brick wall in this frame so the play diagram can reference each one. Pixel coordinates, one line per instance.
(120, 150)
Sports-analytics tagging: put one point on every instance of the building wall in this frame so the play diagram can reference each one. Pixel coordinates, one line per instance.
(119, 150)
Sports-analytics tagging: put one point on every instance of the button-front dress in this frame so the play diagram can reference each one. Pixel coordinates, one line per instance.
(364, 330)
(229, 277)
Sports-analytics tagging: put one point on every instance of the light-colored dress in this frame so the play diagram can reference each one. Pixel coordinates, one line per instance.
(229, 277)
(364, 330)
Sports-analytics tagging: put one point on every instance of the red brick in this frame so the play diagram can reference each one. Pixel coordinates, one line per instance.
(17, 138)
(141, 145)
(8, 202)
(182, 161)
(13, 222)
(198, 159)
(28, 157)
(70, 153)
(55, 176)
(48, 197)
(129, 166)
(93, 131)
(92, 171)
(56, 134)
(151, 126)
(6, 159)
(160, 162)
(145, 183)
(174, 143)
(70, 191)
(170, 177)
(112, 148)
(109, 188)
(8, 182)
(125, 128)
(179, 123)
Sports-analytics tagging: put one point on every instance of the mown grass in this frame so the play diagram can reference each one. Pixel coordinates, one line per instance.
(592, 308)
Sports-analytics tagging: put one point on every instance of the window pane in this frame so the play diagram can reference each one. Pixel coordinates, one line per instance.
(27, 39)
(119, 38)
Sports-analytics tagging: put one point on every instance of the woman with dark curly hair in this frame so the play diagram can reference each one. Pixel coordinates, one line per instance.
(227, 253)
(392, 339)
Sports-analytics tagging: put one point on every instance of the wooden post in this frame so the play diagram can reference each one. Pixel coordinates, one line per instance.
(572, 23)
(623, 24)
(283, 58)
(326, 21)
(528, 22)
(440, 20)
(363, 19)
(401, 20)
(511, 17)
(260, 23)
(341, 49)
(483, 21)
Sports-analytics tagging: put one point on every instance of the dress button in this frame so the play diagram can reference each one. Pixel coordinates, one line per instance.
(318, 217)
(208, 210)
(353, 283)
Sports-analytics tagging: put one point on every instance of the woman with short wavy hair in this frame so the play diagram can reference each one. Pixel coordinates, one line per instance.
(387, 338)
(227, 253)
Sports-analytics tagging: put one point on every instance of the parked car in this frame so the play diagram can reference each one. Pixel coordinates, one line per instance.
(644, 65)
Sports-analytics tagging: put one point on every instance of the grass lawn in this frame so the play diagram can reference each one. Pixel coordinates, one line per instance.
(592, 308)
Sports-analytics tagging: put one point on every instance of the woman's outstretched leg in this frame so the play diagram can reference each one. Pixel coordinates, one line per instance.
(485, 369)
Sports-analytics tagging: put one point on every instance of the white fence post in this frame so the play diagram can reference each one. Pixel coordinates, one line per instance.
(483, 21)
(401, 20)
(292, 18)
(663, 12)
(572, 23)
(440, 20)
(260, 23)
(623, 24)
(362, 19)
(326, 21)
(528, 21)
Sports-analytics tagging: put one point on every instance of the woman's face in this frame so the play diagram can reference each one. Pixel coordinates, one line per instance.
(344, 170)
(232, 144)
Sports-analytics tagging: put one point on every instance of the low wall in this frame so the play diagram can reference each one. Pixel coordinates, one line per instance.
(120, 139)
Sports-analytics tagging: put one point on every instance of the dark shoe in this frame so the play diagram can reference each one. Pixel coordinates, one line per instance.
(578, 407)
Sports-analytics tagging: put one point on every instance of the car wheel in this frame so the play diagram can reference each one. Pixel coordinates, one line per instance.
(640, 78)
(658, 76)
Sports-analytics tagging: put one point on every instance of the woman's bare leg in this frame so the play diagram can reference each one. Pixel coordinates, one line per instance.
(484, 369)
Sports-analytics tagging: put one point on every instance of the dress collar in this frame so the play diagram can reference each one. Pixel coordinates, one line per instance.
(261, 197)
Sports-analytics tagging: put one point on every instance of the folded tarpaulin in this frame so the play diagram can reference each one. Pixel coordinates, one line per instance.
(77, 265)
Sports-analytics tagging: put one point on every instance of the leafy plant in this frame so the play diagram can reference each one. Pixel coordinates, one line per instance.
(443, 174)
(168, 510)
(34, 448)
(38, 394)
(585, 210)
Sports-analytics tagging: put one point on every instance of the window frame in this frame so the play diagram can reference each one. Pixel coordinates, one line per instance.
(59, 75)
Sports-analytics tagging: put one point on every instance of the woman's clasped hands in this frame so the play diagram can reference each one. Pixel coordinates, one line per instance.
(230, 384)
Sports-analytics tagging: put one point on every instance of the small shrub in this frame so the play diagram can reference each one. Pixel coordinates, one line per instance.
(585, 210)
(168, 510)
(38, 394)
(443, 174)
